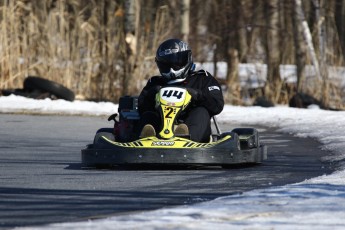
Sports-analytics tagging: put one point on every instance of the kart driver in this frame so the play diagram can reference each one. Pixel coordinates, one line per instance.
(175, 63)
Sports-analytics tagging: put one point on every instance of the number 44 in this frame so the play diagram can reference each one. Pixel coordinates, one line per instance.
(174, 93)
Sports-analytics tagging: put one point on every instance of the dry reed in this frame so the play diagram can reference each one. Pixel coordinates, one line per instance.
(76, 43)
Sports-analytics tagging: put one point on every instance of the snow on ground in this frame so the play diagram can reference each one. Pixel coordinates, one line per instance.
(318, 203)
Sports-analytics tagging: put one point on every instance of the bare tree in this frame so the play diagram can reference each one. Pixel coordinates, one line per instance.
(307, 37)
(185, 19)
(300, 49)
(340, 23)
(273, 83)
(320, 22)
(132, 14)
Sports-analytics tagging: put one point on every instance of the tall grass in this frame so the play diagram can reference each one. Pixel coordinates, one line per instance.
(80, 44)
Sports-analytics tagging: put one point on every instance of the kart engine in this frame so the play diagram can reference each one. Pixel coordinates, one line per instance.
(128, 119)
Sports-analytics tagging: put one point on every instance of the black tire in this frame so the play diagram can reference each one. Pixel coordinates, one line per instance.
(105, 130)
(98, 140)
(236, 141)
(36, 83)
(36, 94)
(17, 92)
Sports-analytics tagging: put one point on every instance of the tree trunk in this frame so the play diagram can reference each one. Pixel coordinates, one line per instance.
(273, 82)
(241, 29)
(340, 22)
(132, 19)
(300, 49)
(185, 20)
(320, 20)
(233, 94)
(308, 38)
(254, 31)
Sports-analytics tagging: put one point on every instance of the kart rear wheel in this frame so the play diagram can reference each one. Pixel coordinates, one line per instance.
(99, 136)
(236, 141)
(105, 130)
(234, 136)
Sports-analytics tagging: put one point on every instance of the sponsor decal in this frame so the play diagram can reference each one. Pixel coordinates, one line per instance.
(181, 46)
(213, 88)
(167, 52)
(163, 143)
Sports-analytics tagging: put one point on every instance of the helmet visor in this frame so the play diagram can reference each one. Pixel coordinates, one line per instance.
(175, 61)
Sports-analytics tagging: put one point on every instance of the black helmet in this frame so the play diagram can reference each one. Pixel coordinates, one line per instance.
(174, 59)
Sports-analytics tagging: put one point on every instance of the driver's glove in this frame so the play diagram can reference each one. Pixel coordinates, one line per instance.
(153, 90)
(196, 94)
(147, 100)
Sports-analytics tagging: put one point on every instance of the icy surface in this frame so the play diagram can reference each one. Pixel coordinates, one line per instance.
(318, 203)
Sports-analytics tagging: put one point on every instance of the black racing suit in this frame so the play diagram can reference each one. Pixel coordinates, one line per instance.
(207, 101)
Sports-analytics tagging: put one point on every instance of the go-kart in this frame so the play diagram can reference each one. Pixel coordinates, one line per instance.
(120, 146)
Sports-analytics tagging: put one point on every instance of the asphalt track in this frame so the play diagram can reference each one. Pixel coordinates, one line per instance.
(41, 179)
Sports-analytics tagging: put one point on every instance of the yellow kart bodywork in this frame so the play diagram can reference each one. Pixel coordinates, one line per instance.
(240, 146)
